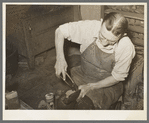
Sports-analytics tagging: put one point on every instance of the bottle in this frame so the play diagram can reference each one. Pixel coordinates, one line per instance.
(12, 100)
(50, 100)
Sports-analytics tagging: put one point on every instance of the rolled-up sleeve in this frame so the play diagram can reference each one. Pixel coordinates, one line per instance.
(123, 57)
(64, 30)
(80, 31)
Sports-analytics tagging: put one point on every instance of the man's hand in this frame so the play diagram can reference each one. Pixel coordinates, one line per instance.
(61, 67)
(107, 82)
(84, 90)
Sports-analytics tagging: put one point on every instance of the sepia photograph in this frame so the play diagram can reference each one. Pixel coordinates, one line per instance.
(64, 60)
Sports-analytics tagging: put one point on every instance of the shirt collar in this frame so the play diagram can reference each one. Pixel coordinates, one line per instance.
(110, 47)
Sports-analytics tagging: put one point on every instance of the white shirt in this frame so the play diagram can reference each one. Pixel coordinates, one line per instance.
(84, 33)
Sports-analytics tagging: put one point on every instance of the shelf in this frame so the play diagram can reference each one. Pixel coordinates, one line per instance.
(136, 29)
(127, 14)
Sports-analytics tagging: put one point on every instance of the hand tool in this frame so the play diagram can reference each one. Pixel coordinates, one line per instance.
(70, 82)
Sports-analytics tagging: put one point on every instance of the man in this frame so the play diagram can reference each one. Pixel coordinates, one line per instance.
(106, 55)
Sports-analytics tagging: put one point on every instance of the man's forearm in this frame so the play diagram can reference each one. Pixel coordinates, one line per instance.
(59, 43)
(109, 81)
(60, 65)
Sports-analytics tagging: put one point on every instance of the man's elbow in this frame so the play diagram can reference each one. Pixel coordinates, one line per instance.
(57, 31)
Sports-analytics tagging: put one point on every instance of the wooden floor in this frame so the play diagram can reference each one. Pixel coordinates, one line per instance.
(32, 85)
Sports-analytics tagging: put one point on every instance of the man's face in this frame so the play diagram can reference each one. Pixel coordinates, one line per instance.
(106, 37)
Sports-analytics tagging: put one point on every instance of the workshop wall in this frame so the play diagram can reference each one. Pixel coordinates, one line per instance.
(91, 12)
(13, 15)
(33, 27)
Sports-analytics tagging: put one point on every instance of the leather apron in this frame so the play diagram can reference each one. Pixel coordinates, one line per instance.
(97, 65)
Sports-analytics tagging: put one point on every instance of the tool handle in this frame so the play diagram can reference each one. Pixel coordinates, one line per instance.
(74, 87)
(70, 78)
